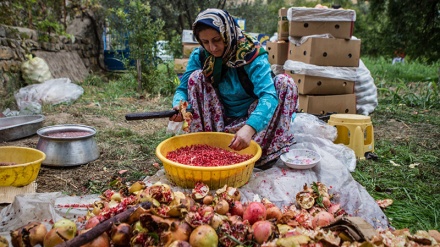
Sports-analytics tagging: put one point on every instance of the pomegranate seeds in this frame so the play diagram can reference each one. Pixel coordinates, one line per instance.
(205, 155)
(68, 134)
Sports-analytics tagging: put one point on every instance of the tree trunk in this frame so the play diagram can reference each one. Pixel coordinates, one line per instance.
(139, 75)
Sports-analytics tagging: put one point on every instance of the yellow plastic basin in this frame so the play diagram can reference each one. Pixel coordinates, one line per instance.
(27, 165)
(186, 176)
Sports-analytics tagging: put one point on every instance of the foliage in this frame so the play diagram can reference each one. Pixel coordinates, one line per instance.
(412, 83)
(48, 27)
(260, 11)
(413, 26)
(132, 26)
(407, 168)
(179, 15)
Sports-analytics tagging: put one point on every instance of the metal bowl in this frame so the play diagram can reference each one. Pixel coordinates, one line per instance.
(68, 144)
(17, 127)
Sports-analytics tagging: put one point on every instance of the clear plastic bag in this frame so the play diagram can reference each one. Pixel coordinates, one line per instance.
(52, 91)
(174, 128)
(305, 123)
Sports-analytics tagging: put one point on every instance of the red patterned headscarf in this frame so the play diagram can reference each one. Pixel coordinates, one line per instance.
(240, 48)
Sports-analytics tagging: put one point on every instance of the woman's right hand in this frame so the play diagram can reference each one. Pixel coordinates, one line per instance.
(176, 117)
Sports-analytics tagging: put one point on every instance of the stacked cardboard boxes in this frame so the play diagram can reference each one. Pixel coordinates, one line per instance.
(318, 37)
(189, 43)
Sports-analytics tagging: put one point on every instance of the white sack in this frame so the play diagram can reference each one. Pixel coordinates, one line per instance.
(35, 70)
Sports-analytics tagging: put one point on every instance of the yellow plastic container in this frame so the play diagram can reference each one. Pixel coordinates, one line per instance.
(186, 176)
(27, 165)
(355, 131)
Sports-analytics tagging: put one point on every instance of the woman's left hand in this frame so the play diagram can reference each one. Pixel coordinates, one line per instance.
(242, 138)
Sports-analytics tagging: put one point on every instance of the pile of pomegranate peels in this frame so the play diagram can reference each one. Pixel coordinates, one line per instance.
(155, 215)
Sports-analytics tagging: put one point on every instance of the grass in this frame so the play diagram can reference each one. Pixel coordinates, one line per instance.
(407, 170)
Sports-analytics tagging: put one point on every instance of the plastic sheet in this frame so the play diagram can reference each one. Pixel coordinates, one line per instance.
(52, 91)
(344, 73)
(320, 14)
(366, 91)
(42, 207)
(280, 184)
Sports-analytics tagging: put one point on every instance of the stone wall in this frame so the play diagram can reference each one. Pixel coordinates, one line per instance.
(66, 57)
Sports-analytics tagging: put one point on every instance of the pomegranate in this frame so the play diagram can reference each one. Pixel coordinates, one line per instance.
(98, 206)
(284, 228)
(179, 243)
(222, 207)
(305, 200)
(121, 234)
(200, 191)
(326, 202)
(134, 217)
(254, 212)
(57, 236)
(273, 212)
(206, 210)
(178, 231)
(233, 193)
(101, 241)
(323, 218)
(92, 222)
(29, 235)
(263, 231)
(236, 208)
(61, 231)
(203, 236)
(136, 187)
(207, 200)
(217, 220)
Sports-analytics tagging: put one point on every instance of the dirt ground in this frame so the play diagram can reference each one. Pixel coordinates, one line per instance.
(72, 180)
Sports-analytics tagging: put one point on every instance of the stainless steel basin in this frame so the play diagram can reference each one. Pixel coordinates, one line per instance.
(17, 127)
(68, 144)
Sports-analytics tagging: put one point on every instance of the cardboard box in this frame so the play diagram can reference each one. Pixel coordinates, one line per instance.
(327, 52)
(188, 48)
(344, 103)
(283, 25)
(277, 52)
(317, 85)
(188, 37)
(311, 21)
(180, 65)
(338, 29)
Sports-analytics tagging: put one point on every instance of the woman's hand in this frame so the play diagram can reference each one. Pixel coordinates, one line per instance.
(242, 138)
(176, 117)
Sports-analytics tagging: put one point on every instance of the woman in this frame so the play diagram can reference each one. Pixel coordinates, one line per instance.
(220, 103)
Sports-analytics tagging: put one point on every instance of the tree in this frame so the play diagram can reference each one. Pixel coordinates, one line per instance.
(180, 15)
(413, 26)
(132, 25)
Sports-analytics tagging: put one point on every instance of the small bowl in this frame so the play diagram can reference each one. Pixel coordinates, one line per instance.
(21, 165)
(301, 158)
